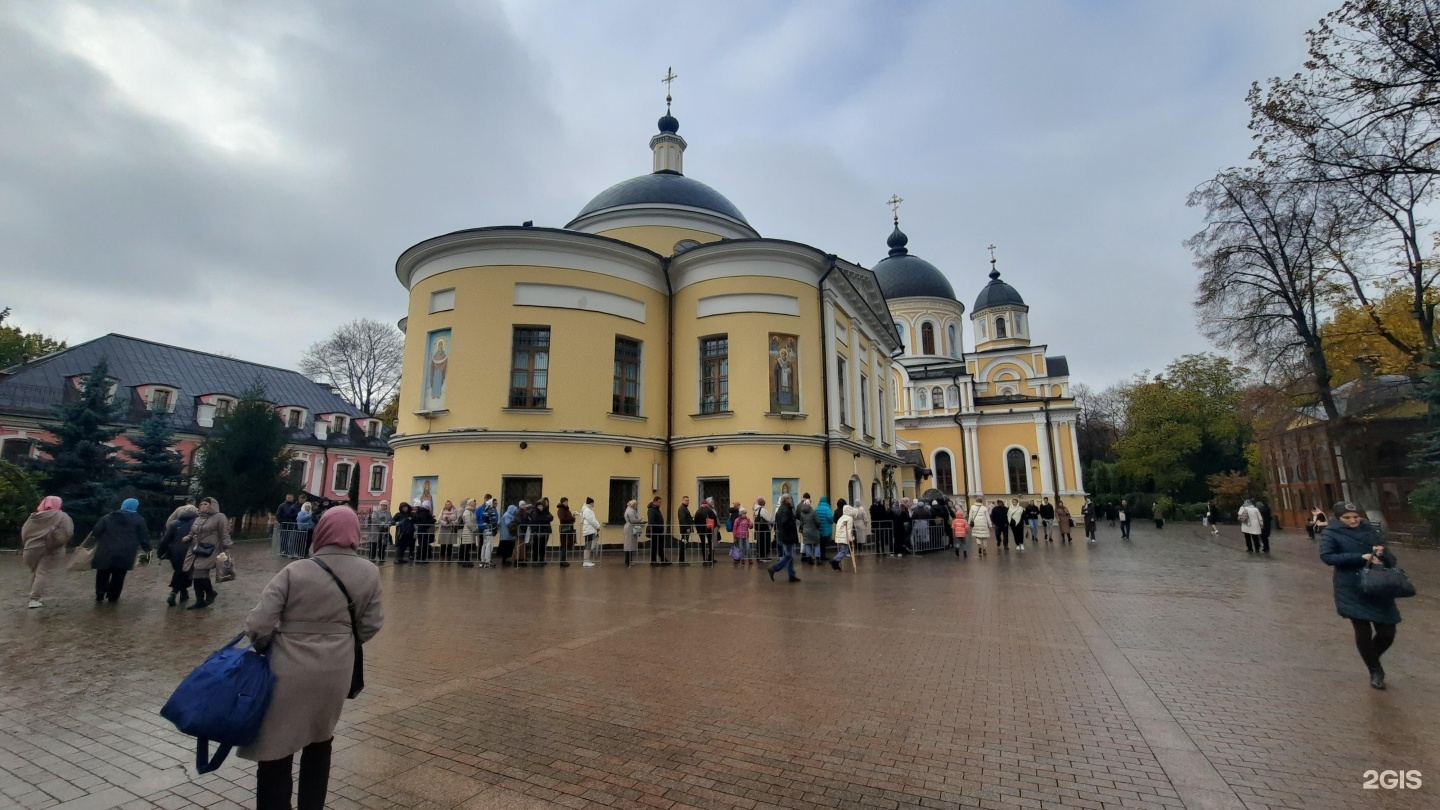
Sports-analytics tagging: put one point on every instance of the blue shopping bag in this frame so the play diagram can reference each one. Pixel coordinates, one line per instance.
(223, 701)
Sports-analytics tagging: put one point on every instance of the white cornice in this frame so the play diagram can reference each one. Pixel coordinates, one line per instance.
(554, 436)
(769, 439)
(530, 247)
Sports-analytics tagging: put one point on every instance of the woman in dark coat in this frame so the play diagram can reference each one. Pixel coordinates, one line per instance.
(404, 523)
(119, 537)
(787, 535)
(1349, 544)
(173, 548)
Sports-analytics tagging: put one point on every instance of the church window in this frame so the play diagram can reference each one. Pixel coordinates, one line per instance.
(937, 397)
(715, 374)
(1017, 471)
(844, 391)
(927, 337)
(625, 398)
(684, 245)
(954, 344)
(983, 329)
(442, 301)
(922, 399)
(342, 477)
(944, 473)
(530, 367)
(999, 327)
(900, 330)
(952, 397)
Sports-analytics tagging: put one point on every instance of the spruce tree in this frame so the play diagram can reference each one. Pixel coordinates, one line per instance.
(245, 457)
(157, 466)
(81, 466)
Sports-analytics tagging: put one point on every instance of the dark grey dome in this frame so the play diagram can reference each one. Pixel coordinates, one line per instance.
(663, 187)
(997, 294)
(904, 276)
(669, 123)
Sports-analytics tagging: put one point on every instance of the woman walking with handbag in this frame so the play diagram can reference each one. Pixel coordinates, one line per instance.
(209, 537)
(44, 536)
(1351, 545)
(119, 538)
(174, 548)
(310, 621)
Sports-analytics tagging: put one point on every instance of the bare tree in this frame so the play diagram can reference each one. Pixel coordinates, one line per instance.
(1101, 418)
(362, 359)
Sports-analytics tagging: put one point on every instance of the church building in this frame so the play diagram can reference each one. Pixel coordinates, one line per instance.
(658, 345)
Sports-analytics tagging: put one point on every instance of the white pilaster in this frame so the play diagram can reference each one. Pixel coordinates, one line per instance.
(1046, 485)
(832, 370)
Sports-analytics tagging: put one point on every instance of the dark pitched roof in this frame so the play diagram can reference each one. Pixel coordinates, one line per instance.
(134, 362)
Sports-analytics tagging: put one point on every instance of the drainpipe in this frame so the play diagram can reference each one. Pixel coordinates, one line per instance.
(1050, 445)
(964, 451)
(669, 382)
(825, 327)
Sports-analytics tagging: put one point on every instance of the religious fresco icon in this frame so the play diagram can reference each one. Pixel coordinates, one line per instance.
(437, 366)
(784, 373)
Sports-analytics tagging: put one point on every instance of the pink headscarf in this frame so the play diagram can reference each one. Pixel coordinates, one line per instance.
(49, 503)
(339, 526)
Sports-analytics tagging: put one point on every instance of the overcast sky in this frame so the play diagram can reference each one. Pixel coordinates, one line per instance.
(240, 177)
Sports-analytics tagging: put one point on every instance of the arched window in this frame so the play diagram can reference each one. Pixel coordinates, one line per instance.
(922, 399)
(954, 344)
(937, 397)
(999, 327)
(927, 338)
(944, 473)
(900, 330)
(1017, 471)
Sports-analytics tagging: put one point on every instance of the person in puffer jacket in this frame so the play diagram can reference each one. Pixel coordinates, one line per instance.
(844, 533)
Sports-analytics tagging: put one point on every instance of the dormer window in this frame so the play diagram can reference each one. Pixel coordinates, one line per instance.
(162, 400)
(338, 424)
(295, 419)
(373, 430)
(223, 407)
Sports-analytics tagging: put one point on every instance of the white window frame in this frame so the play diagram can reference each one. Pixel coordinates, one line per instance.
(440, 302)
(349, 468)
(290, 414)
(224, 406)
(1005, 466)
(384, 475)
(171, 394)
(339, 423)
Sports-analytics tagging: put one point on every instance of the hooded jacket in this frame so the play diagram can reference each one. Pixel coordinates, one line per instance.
(173, 544)
(589, 524)
(809, 523)
(49, 530)
(845, 526)
(825, 517)
(1343, 548)
(507, 523)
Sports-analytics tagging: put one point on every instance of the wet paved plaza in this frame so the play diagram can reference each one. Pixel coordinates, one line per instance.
(1168, 671)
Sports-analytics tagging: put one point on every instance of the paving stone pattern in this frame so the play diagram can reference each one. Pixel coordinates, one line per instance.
(1169, 671)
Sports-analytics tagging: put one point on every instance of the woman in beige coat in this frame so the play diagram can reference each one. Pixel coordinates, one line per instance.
(303, 624)
(210, 531)
(44, 536)
(633, 527)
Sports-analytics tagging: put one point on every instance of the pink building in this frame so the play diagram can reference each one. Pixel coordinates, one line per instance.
(330, 439)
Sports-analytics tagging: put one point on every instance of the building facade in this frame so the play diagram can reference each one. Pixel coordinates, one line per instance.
(658, 345)
(329, 439)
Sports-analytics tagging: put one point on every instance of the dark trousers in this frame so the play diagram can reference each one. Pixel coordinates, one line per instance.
(1252, 542)
(707, 546)
(405, 546)
(538, 544)
(204, 589)
(465, 549)
(1002, 534)
(109, 582)
(567, 541)
(684, 541)
(1125, 529)
(1265, 539)
(1372, 647)
(657, 547)
(1018, 531)
(273, 780)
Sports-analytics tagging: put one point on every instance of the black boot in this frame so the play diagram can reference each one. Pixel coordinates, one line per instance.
(171, 600)
(1377, 678)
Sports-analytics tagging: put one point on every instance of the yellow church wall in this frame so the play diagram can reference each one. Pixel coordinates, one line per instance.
(1065, 447)
(659, 238)
(582, 354)
(992, 441)
(472, 469)
(749, 364)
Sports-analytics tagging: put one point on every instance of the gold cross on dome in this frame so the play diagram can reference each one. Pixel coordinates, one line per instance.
(894, 203)
(991, 248)
(670, 76)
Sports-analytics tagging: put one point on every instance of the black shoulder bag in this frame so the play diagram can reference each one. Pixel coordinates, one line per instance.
(357, 675)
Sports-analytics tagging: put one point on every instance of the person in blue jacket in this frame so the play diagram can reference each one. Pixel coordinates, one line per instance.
(1349, 544)
(825, 516)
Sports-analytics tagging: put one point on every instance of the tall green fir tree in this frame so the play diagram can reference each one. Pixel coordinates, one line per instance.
(245, 457)
(81, 466)
(156, 466)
